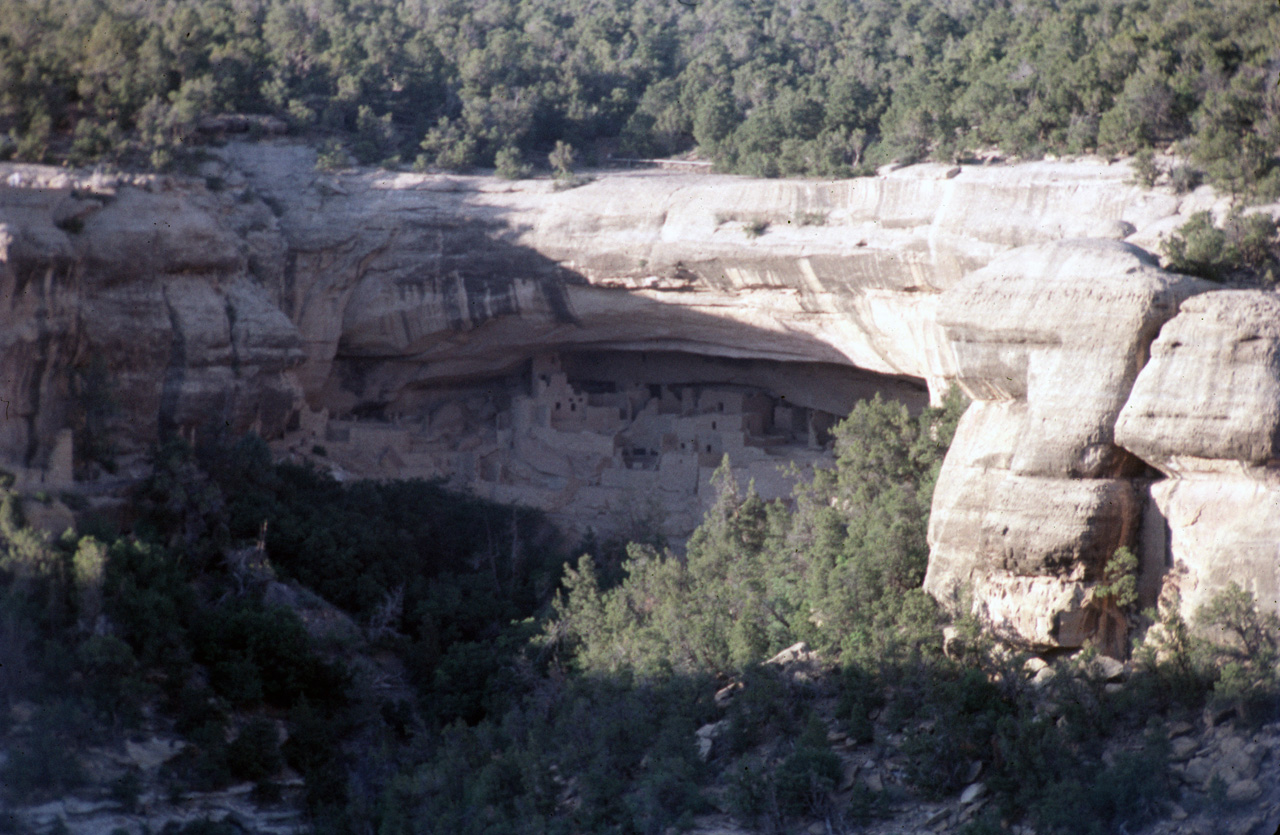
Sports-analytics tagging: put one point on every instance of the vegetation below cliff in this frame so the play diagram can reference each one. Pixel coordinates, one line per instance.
(813, 88)
(452, 689)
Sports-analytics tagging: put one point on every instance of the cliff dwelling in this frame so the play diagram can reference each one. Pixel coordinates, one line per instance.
(595, 352)
(605, 441)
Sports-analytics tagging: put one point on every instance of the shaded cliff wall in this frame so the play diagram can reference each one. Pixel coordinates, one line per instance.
(266, 290)
(146, 294)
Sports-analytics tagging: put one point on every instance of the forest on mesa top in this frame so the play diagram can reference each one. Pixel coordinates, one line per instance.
(803, 87)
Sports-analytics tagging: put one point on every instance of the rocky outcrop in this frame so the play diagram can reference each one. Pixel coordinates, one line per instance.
(1208, 402)
(235, 297)
(137, 306)
(1036, 495)
(264, 294)
(399, 281)
(1205, 411)
(1078, 444)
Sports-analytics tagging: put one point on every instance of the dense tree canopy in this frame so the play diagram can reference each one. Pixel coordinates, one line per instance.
(842, 570)
(809, 87)
(431, 678)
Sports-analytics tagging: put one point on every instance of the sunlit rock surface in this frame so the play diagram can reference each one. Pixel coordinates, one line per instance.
(1035, 493)
(407, 311)
(1205, 411)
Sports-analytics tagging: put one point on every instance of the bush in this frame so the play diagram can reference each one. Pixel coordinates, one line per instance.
(1184, 178)
(112, 677)
(257, 653)
(1249, 676)
(764, 710)
(962, 710)
(448, 146)
(860, 693)
(332, 156)
(562, 159)
(1128, 793)
(752, 793)
(1245, 249)
(202, 765)
(1113, 599)
(1145, 170)
(1198, 248)
(808, 777)
(510, 166)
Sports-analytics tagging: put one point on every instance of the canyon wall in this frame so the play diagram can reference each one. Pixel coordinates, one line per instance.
(1115, 404)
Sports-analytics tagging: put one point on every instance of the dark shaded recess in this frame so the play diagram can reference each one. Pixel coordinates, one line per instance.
(825, 386)
(174, 375)
(477, 264)
(29, 267)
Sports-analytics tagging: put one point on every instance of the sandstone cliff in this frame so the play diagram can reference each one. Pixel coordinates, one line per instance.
(263, 294)
(1205, 411)
(1036, 495)
(149, 289)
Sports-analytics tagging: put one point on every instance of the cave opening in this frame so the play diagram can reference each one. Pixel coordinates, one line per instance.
(591, 434)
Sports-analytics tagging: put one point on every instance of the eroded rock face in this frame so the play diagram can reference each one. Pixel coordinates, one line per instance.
(1209, 399)
(149, 291)
(1036, 495)
(271, 296)
(1205, 411)
(443, 277)
(277, 284)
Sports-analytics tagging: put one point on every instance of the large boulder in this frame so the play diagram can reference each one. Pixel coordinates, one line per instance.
(1035, 495)
(1205, 411)
(1209, 399)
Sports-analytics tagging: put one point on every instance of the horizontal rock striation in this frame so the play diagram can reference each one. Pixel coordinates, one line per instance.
(264, 294)
(1036, 495)
(845, 271)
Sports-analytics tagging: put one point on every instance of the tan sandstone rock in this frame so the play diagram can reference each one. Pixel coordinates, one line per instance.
(1206, 412)
(295, 292)
(352, 289)
(441, 277)
(1035, 495)
(1209, 399)
(154, 290)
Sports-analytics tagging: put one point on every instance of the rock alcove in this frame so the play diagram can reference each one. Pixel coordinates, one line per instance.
(612, 442)
(429, 308)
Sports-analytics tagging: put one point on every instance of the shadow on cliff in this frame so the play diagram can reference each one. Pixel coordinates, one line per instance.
(504, 301)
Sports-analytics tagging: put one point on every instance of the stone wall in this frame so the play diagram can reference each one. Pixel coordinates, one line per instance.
(644, 459)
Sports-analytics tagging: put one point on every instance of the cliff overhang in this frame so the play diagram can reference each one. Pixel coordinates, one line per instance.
(266, 295)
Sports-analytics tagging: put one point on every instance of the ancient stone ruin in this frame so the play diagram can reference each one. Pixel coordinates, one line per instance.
(631, 439)
(596, 351)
